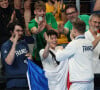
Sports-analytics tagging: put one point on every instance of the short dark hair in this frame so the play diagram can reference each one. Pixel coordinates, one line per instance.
(12, 25)
(79, 25)
(71, 6)
(40, 5)
(51, 32)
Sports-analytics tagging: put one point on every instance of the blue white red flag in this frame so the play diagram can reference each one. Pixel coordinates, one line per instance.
(36, 77)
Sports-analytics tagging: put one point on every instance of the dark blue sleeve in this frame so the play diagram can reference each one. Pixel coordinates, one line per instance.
(4, 51)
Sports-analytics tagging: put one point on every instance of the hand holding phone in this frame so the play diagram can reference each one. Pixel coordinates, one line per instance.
(40, 18)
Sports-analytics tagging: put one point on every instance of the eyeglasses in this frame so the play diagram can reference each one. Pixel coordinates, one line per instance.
(96, 22)
(71, 13)
(19, 30)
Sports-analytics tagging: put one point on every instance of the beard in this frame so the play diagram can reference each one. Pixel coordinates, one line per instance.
(95, 28)
(74, 19)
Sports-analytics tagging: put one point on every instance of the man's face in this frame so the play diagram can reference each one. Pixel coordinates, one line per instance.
(95, 23)
(19, 31)
(54, 41)
(4, 3)
(40, 13)
(72, 14)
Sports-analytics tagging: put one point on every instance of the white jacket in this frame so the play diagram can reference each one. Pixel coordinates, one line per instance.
(79, 53)
(56, 74)
(96, 52)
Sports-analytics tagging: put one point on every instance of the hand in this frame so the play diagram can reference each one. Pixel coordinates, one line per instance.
(29, 56)
(47, 38)
(97, 37)
(15, 38)
(72, 35)
(49, 27)
(41, 26)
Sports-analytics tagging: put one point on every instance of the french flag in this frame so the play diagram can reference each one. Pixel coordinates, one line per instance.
(36, 77)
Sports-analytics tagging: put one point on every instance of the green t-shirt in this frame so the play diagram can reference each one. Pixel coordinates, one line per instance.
(39, 39)
(68, 24)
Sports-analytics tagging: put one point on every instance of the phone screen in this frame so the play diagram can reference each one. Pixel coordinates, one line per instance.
(40, 18)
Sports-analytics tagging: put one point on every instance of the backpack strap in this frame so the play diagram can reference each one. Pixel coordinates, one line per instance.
(53, 56)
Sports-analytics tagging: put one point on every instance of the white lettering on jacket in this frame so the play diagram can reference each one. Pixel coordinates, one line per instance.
(20, 52)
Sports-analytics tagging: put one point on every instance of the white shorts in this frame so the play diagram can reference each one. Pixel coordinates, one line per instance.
(82, 86)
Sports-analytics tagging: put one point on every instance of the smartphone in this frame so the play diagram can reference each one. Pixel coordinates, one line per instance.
(40, 18)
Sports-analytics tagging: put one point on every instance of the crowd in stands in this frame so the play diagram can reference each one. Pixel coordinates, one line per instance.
(47, 25)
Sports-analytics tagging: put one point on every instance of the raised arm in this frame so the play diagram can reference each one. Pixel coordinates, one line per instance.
(46, 50)
(66, 53)
(96, 41)
(41, 26)
(10, 57)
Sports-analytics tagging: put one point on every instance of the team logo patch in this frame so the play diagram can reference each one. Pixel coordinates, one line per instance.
(5, 51)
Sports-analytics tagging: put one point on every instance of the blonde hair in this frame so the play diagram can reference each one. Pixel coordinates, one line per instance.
(40, 5)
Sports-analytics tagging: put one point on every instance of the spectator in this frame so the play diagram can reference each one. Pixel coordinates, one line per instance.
(62, 37)
(55, 7)
(7, 15)
(41, 23)
(72, 15)
(92, 34)
(13, 53)
(27, 12)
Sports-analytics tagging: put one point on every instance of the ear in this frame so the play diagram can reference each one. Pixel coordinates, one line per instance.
(75, 31)
(89, 22)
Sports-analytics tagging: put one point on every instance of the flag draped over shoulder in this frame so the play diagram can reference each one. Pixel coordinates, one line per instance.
(36, 77)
